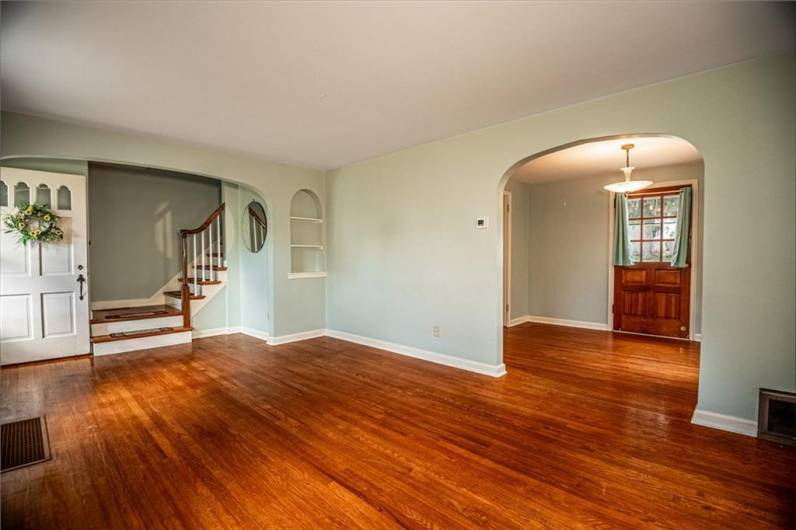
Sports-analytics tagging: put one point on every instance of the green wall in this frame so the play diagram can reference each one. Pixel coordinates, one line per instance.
(298, 305)
(135, 215)
(404, 253)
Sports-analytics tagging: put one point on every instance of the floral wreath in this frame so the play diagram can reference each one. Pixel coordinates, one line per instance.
(33, 222)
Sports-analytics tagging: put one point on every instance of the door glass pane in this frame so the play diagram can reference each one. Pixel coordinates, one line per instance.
(651, 251)
(64, 198)
(652, 207)
(21, 194)
(668, 250)
(43, 195)
(670, 205)
(669, 229)
(652, 229)
(3, 194)
(635, 251)
(635, 229)
(633, 208)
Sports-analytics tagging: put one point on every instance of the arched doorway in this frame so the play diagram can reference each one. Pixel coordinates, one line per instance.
(557, 240)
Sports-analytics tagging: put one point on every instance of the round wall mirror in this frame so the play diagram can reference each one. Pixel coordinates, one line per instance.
(255, 226)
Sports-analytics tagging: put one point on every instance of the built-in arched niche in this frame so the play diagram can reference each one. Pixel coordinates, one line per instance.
(307, 257)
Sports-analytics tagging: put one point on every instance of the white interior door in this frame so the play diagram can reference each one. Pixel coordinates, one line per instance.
(43, 307)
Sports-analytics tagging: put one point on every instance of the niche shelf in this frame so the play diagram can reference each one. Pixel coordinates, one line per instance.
(307, 259)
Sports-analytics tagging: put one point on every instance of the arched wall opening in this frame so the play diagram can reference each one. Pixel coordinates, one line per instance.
(569, 280)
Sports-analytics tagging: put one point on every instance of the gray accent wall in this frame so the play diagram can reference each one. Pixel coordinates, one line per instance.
(565, 243)
(135, 215)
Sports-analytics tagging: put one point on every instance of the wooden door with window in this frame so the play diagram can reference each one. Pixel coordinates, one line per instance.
(652, 296)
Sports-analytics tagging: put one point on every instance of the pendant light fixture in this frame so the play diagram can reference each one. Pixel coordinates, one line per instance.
(627, 185)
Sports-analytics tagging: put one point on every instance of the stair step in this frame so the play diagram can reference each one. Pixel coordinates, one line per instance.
(204, 282)
(139, 334)
(216, 254)
(212, 267)
(121, 314)
(178, 295)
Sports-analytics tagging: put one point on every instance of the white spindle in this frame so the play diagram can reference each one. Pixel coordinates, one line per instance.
(202, 238)
(218, 231)
(210, 235)
(195, 277)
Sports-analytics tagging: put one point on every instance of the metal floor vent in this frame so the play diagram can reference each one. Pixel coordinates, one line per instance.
(24, 442)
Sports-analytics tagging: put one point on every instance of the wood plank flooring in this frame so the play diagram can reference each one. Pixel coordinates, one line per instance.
(588, 429)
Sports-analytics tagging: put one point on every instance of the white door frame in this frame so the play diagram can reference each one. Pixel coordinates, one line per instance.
(506, 212)
(695, 257)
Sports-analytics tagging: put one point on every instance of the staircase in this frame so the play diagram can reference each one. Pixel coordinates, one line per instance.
(202, 276)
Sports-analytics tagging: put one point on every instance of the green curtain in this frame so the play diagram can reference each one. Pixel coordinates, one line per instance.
(621, 232)
(680, 256)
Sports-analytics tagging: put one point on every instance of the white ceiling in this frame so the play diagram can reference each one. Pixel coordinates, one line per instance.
(605, 158)
(326, 84)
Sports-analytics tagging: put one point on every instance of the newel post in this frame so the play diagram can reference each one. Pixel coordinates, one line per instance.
(185, 290)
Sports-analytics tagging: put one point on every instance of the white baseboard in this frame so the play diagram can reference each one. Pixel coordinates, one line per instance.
(601, 326)
(204, 333)
(698, 337)
(725, 423)
(439, 358)
(293, 337)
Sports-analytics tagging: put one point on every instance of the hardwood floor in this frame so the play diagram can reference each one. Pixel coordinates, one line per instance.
(587, 429)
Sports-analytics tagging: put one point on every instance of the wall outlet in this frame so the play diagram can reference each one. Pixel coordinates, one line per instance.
(482, 223)
(435, 331)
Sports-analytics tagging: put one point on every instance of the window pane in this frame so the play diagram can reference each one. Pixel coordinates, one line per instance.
(64, 198)
(635, 229)
(633, 208)
(21, 194)
(670, 205)
(651, 251)
(43, 195)
(652, 207)
(668, 250)
(652, 229)
(669, 229)
(3, 194)
(635, 251)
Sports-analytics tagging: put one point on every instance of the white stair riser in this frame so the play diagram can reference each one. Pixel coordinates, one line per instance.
(136, 325)
(141, 343)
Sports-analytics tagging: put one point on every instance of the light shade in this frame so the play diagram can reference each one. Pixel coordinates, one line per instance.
(628, 186)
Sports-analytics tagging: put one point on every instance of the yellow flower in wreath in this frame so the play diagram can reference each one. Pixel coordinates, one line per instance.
(29, 210)
(47, 217)
(34, 234)
(21, 225)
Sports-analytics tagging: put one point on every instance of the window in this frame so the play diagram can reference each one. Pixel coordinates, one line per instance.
(653, 224)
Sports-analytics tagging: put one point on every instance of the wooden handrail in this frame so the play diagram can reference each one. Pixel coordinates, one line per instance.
(186, 232)
(185, 290)
(260, 220)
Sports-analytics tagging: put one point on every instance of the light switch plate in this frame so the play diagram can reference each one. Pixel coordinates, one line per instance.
(482, 223)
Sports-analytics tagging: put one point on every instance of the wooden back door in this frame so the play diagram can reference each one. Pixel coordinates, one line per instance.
(651, 296)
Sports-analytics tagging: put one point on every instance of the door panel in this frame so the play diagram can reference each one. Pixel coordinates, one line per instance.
(43, 316)
(659, 305)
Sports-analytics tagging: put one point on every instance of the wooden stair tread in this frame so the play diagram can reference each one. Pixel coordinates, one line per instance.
(144, 333)
(204, 282)
(178, 295)
(212, 267)
(121, 314)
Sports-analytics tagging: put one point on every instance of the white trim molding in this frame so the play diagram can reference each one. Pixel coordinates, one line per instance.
(304, 275)
(204, 333)
(439, 358)
(715, 420)
(293, 337)
(600, 326)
